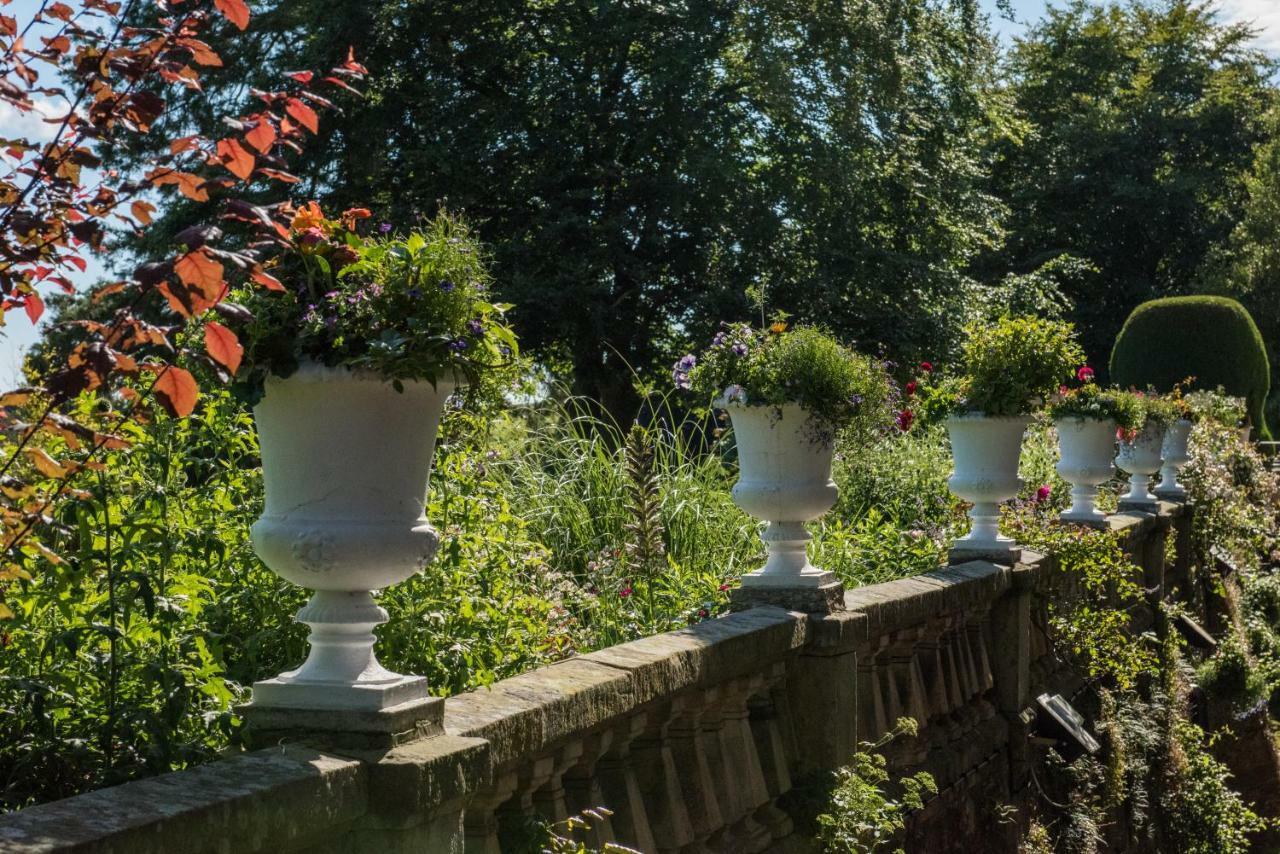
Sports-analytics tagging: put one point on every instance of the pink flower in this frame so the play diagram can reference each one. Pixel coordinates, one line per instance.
(1043, 493)
(624, 592)
(312, 236)
(724, 587)
(1085, 374)
(905, 419)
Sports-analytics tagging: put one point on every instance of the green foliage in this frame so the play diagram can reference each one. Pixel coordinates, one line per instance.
(1092, 402)
(411, 307)
(1210, 339)
(1230, 676)
(779, 366)
(1141, 124)
(862, 816)
(1218, 406)
(1011, 368)
(1088, 618)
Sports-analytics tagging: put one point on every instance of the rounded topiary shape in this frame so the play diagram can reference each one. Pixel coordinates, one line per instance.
(1210, 338)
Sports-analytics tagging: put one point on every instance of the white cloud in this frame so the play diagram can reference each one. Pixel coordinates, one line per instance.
(1262, 15)
(16, 124)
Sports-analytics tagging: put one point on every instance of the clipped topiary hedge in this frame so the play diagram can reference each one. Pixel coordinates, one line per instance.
(1210, 338)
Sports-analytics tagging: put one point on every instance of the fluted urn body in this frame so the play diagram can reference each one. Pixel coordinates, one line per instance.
(1175, 456)
(346, 459)
(784, 464)
(1140, 458)
(986, 452)
(1086, 448)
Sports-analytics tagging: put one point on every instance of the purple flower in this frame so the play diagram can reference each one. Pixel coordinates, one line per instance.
(447, 286)
(414, 293)
(459, 345)
(475, 326)
(680, 371)
(718, 340)
(504, 350)
(855, 400)
(687, 363)
(739, 349)
(385, 228)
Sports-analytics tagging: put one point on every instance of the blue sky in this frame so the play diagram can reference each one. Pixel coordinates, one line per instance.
(18, 334)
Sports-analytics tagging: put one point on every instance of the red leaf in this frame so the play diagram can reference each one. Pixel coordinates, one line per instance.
(351, 64)
(202, 273)
(33, 305)
(189, 185)
(262, 136)
(280, 176)
(267, 280)
(201, 52)
(233, 156)
(303, 77)
(78, 262)
(303, 114)
(222, 345)
(235, 10)
(176, 390)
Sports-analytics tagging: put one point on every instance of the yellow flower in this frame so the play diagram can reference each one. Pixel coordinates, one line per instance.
(778, 328)
(309, 216)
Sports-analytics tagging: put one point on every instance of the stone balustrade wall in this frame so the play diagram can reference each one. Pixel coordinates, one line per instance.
(699, 740)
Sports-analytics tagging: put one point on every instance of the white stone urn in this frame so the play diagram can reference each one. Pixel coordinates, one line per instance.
(1086, 448)
(345, 463)
(1175, 456)
(986, 452)
(1140, 457)
(784, 478)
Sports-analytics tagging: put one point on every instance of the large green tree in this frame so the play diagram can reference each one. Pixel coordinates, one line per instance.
(637, 166)
(1142, 121)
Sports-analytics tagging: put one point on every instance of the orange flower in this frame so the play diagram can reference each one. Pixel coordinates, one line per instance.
(350, 215)
(309, 216)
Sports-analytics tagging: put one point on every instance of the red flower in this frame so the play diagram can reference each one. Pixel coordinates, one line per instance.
(1085, 374)
(624, 592)
(905, 419)
(1043, 493)
(703, 613)
(311, 236)
(927, 367)
(911, 388)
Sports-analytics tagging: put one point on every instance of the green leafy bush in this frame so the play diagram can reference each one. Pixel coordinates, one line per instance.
(778, 366)
(1090, 401)
(411, 307)
(1212, 340)
(1013, 367)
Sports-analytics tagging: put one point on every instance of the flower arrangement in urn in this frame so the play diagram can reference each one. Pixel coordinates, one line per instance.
(789, 391)
(1141, 451)
(1089, 421)
(1009, 370)
(352, 352)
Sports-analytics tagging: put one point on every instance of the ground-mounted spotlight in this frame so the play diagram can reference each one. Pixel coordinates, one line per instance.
(1057, 720)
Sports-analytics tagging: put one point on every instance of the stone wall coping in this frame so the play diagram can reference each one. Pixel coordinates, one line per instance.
(528, 714)
(269, 800)
(893, 605)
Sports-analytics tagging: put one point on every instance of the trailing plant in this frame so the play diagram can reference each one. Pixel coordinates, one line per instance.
(862, 815)
(408, 307)
(1089, 621)
(1012, 367)
(784, 365)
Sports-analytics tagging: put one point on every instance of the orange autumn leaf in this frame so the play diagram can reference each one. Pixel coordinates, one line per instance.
(142, 211)
(303, 114)
(235, 11)
(222, 345)
(176, 390)
(47, 465)
(267, 280)
(201, 272)
(233, 155)
(191, 186)
(263, 135)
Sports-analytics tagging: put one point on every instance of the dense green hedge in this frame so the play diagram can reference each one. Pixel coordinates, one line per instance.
(1210, 338)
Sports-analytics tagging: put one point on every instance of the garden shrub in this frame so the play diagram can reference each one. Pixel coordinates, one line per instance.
(1211, 339)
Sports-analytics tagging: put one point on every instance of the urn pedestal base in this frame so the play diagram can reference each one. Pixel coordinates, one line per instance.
(825, 598)
(421, 717)
(999, 553)
(1139, 506)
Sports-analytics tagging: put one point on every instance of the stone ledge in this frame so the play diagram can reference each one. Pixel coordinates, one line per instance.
(825, 599)
(897, 604)
(409, 783)
(271, 800)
